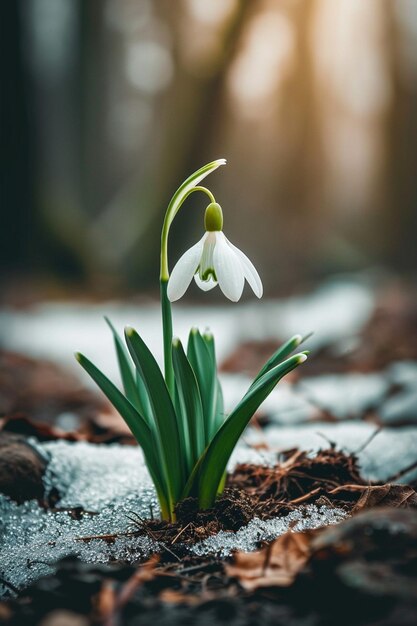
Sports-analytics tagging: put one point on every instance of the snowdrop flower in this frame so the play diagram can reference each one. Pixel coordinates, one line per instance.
(214, 260)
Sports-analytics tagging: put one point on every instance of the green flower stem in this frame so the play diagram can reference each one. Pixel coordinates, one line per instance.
(169, 218)
(173, 208)
(167, 336)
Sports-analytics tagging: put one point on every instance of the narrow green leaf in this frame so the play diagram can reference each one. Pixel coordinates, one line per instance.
(219, 415)
(167, 335)
(190, 400)
(209, 341)
(282, 353)
(143, 394)
(134, 420)
(133, 385)
(216, 456)
(163, 411)
(205, 372)
(216, 397)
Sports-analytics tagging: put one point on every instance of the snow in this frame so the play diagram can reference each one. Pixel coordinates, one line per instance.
(54, 330)
(248, 537)
(113, 485)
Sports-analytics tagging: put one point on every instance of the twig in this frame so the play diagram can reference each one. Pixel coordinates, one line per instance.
(180, 533)
(6, 583)
(306, 496)
(349, 488)
(196, 568)
(401, 472)
(368, 440)
(165, 547)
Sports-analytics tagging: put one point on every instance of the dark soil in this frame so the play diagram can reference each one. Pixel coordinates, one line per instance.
(360, 572)
(299, 477)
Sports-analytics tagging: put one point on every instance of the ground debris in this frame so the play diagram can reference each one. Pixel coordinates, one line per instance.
(39, 398)
(373, 555)
(255, 491)
(299, 477)
(365, 564)
(396, 496)
(276, 565)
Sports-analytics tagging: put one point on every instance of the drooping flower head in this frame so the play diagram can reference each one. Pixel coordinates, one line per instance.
(214, 260)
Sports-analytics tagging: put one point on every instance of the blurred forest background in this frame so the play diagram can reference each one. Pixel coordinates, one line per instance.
(107, 105)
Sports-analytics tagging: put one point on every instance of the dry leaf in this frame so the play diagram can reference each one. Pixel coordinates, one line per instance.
(143, 574)
(274, 566)
(173, 596)
(396, 496)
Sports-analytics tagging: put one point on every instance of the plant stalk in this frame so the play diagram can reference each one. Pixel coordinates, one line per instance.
(167, 336)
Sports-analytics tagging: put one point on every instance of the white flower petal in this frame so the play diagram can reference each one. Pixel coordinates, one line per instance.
(205, 285)
(249, 270)
(184, 270)
(228, 268)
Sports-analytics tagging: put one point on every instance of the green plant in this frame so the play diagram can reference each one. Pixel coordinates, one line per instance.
(178, 418)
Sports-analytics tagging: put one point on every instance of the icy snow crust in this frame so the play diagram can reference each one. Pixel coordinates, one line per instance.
(336, 312)
(112, 484)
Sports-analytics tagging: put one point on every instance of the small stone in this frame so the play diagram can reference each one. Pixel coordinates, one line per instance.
(21, 469)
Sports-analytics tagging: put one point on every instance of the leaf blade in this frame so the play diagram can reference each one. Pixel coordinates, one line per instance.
(204, 369)
(280, 354)
(137, 424)
(190, 400)
(218, 452)
(131, 385)
(163, 412)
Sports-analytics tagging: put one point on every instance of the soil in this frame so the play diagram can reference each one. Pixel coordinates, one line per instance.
(362, 571)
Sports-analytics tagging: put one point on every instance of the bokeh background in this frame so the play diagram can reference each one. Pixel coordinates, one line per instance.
(107, 105)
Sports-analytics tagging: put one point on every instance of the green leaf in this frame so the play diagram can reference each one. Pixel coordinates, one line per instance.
(132, 384)
(143, 394)
(219, 415)
(164, 414)
(204, 368)
(136, 423)
(214, 461)
(167, 336)
(190, 401)
(216, 398)
(282, 353)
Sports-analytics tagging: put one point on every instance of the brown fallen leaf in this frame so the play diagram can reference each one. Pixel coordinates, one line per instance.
(104, 603)
(143, 574)
(276, 565)
(174, 596)
(396, 496)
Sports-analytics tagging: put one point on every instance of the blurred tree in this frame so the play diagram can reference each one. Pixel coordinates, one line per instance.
(19, 224)
(398, 228)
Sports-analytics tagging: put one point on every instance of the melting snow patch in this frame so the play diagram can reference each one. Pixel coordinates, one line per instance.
(248, 537)
(112, 484)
